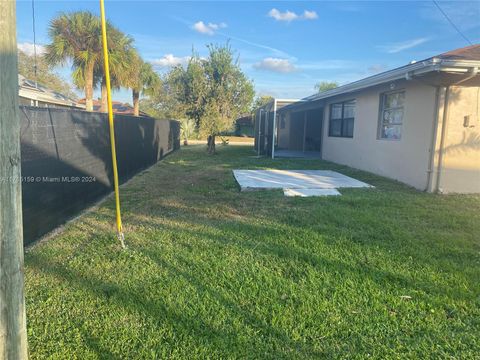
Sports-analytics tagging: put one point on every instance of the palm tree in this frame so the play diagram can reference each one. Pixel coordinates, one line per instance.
(120, 48)
(142, 79)
(77, 37)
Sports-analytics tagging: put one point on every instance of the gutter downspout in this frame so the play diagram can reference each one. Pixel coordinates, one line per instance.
(274, 127)
(434, 141)
(442, 138)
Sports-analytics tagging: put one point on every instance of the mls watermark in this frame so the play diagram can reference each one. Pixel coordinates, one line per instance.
(50, 179)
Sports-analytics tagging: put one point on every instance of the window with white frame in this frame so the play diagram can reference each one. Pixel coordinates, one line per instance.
(342, 117)
(391, 115)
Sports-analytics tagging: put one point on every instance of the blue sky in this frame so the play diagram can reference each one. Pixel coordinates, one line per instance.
(284, 47)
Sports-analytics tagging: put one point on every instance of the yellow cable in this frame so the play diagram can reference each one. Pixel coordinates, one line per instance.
(110, 122)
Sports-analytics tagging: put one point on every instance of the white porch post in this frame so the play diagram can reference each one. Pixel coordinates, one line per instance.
(259, 134)
(274, 131)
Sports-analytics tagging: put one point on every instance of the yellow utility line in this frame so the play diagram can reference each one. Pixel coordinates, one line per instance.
(110, 122)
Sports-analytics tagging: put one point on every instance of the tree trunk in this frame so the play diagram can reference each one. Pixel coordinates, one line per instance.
(136, 102)
(13, 334)
(104, 103)
(211, 144)
(89, 86)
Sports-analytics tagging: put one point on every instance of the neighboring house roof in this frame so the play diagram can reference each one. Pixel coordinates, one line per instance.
(463, 61)
(245, 121)
(117, 106)
(30, 89)
(467, 53)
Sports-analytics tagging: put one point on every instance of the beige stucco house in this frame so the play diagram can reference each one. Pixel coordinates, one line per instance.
(418, 124)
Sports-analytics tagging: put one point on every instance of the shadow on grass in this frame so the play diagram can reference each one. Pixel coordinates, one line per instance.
(199, 330)
(190, 226)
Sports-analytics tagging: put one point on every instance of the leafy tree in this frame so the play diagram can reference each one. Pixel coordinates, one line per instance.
(187, 129)
(45, 74)
(164, 100)
(261, 100)
(229, 93)
(190, 88)
(160, 104)
(76, 36)
(326, 85)
(212, 92)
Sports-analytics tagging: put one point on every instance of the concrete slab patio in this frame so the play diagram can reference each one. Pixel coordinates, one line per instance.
(295, 179)
(310, 192)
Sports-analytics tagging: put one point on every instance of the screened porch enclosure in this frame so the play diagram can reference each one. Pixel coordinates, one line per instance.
(266, 125)
(299, 133)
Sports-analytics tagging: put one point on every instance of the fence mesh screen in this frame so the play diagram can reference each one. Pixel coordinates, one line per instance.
(67, 165)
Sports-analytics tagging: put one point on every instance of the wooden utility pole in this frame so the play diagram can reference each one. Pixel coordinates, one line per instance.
(13, 334)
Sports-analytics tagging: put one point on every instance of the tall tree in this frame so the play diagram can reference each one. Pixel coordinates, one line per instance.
(213, 92)
(325, 85)
(120, 48)
(261, 100)
(190, 86)
(229, 93)
(141, 78)
(164, 101)
(77, 37)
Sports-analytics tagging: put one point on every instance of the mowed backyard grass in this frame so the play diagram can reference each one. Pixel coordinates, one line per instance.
(211, 272)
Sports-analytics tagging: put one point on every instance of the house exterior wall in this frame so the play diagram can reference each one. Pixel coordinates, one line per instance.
(283, 137)
(406, 160)
(460, 168)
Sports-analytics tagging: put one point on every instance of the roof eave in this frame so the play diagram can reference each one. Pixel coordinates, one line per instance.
(462, 66)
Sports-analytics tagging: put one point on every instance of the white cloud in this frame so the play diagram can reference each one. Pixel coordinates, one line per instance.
(285, 16)
(397, 47)
(310, 15)
(275, 65)
(209, 28)
(170, 60)
(27, 48)
(290, 15)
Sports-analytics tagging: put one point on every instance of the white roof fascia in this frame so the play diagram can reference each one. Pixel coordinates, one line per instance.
(270, 104)
(400, 73)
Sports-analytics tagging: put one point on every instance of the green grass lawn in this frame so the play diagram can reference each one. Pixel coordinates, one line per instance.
(211, 272)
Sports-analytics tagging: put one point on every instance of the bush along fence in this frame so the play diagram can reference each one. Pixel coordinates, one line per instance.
(67, 164)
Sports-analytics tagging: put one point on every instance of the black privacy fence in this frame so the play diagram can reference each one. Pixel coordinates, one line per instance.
(67, 162)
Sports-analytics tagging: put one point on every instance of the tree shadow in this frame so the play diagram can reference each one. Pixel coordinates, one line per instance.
(199, 330)
(230, 232)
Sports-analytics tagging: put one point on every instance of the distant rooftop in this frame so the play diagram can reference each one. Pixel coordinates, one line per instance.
(35, 91)
(466, 53)
(117, 106)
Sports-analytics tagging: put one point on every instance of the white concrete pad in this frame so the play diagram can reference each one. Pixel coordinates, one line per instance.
(294, 179)
(311, 192)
